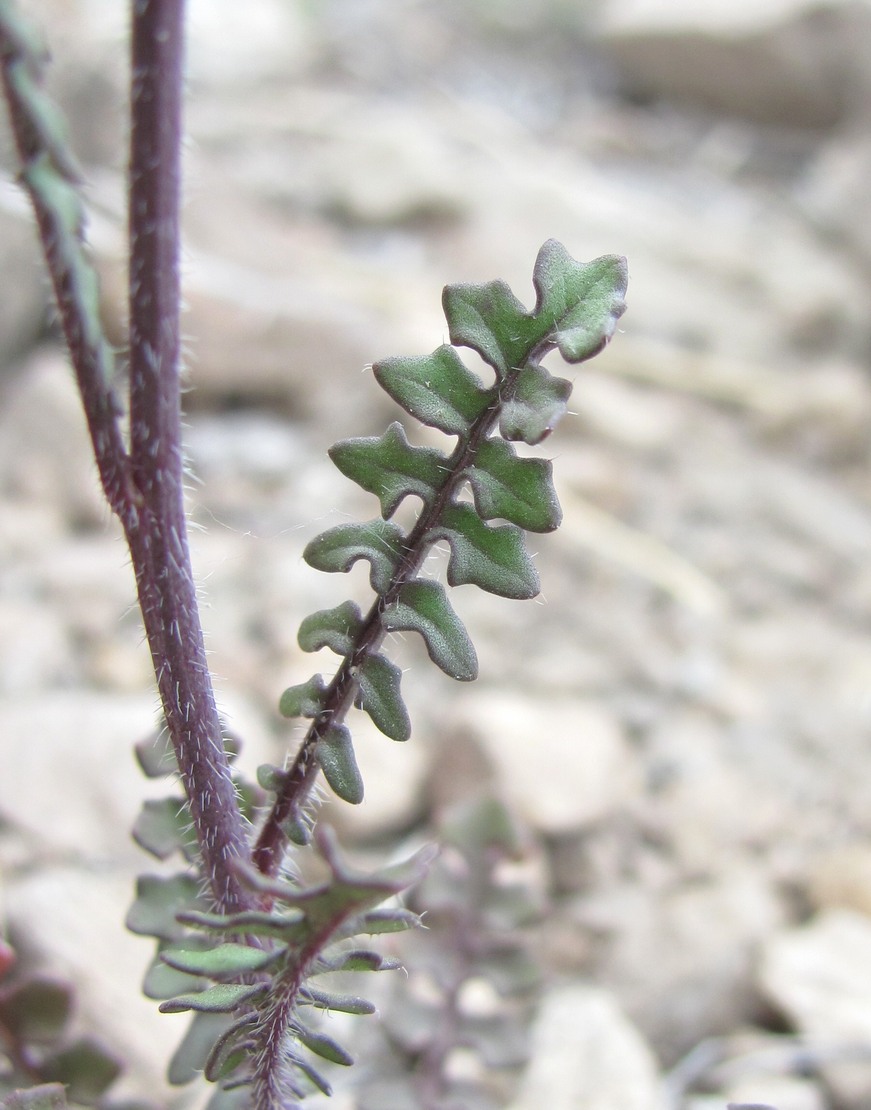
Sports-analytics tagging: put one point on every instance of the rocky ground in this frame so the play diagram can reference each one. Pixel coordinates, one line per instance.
(681, 722)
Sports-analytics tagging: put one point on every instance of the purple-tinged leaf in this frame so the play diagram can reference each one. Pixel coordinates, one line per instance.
(36, 1010)
(226, 961)
(492, 321)
(335, 754)
(535, 406)
(322, 1045)
(495, 559)
(303, 700)
(190, 1057)
(437, 389)
(390, 467)
(231, 1048)
(337, 549)
(581, 301)
(159, 900)
(516, 489)
(423, 607)
(223, 998)
(332, 628)
(380, 697)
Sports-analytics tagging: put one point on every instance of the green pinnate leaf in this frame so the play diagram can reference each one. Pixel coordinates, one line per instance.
(581, 301)
(328, 907)
(380, 697)
(297, 828)
(36, 1010)
(537, 402)
(283, 926)
(162, 981)
(190, 1057)
(226, 961)
(85, 1068)
(423, 607)
(342, 1003)
(335, 754)
(332, 628)
(155, 755)
(357, 960)
(437, 389)
(577, 309)
(158, 902)
(493, 558)
(390, 467)
(515, 489)
(231, 1049)
(305, 699)
(393, 920)
(339, 548)
(163, 827)
(492, 321)
(223, 998)
(270, 777)
(312, 1074)
(322, 1045)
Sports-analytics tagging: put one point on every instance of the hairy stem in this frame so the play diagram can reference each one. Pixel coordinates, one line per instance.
(158, 536)
(143, 485)
(50, 177)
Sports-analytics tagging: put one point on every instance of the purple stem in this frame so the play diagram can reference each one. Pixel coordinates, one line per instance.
(143, 486)
(157, 532)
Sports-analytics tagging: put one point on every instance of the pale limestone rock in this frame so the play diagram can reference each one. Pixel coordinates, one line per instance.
(24, 305)
(841, 878)
(819, 976)
(71, 784)
(682, 960)
(792, 62)
(834, 190)
(45, 453)
(585, 1053)
(561, 763)
(245, 44)
(775, 1092)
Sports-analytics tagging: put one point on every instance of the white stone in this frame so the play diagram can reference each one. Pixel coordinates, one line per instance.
(790, 61)
(775, 1092)
(585, 1053)
(819, 976)
(71, 784)
(561, 763)
(45, 453)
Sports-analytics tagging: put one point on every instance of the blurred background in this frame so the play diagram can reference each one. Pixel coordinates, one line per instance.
(680, 723)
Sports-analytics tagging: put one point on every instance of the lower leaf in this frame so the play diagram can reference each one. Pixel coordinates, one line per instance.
(423, 607)
(335, 754)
